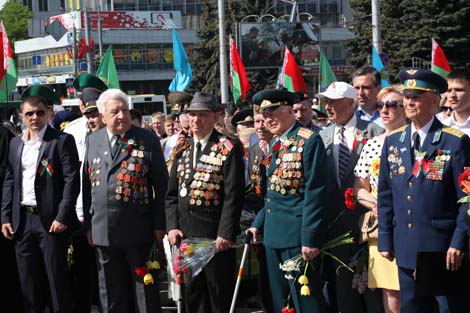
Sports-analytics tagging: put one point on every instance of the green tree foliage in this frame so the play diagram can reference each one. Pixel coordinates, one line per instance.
(15, 19)
(407, 28)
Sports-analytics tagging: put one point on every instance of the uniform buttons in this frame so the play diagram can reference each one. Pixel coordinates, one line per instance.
(269, 210)
(269, 200)
(410, 184)
(410, 225)
(409, 212)
(408, 198)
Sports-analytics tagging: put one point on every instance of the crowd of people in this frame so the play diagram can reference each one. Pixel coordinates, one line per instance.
(85, 198)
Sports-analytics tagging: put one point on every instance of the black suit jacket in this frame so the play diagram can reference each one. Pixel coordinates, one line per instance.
(211, 221)
(56, 194)
(5, 137)
(255, 191)
(114, 221)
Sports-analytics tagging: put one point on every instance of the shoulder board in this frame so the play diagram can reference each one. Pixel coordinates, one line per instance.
(397, 130)
(452, 131)
(305, 132)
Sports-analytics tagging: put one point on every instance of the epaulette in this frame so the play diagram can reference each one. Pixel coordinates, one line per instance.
(305, 132)
(397, 130)
(452, 131)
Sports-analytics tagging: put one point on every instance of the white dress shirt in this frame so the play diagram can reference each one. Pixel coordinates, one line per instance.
(422, 132)
(29, 166)
(452, 122)
(203, 142)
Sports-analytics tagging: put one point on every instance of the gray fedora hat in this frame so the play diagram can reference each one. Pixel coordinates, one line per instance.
(203, 101)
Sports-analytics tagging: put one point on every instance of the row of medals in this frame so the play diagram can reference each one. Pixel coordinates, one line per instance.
(288, 177)
(206, 181)
(132, 180)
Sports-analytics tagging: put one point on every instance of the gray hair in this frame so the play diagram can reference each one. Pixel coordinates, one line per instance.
(108, 95)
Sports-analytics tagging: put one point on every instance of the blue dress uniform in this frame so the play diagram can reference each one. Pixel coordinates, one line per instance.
(293, 213)
(417, 204)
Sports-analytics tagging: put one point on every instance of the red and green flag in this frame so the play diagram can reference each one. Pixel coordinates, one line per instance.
(238, 81)
(439, 63)
(8, 73)
(292, 78)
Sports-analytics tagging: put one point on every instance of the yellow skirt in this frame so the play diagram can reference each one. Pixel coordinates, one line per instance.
(382, 272)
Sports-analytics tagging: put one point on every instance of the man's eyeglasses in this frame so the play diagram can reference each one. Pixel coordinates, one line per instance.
(446, 109)
(388, 104)
(39, 113)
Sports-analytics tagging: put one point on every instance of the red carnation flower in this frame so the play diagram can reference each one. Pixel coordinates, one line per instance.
(141, 271)
(464, 180)
(349, 199)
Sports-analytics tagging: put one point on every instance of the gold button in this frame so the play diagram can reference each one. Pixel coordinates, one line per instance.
(410, 226)
(269, 200)
(408, 198)
(410, 184)
(269, 210)
(409, 212)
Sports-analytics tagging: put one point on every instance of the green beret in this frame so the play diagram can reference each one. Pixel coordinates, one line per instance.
(85, 80)
(41, 91)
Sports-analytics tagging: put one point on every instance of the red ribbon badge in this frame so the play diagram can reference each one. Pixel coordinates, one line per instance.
(127, 143)
(421, 165)
(359, 140)
(44, 166)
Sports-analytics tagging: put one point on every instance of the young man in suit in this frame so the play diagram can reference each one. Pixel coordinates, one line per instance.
(292, 220)
(124, 184)
(204, 199)
(344, 140)
(38, 208)
(418, 191)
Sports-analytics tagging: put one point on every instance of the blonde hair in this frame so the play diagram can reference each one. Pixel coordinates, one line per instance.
(398, 89)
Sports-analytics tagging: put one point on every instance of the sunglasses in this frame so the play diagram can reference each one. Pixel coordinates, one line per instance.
(39, 113)
(446, 109)
(388, 104)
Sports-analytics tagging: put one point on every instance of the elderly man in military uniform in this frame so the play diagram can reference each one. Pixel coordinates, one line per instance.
(418, 191)
(292, 217)
(204, 199)
(124, 183)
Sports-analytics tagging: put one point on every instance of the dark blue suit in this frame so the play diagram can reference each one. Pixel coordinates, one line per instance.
(56, 194)
(421, 213)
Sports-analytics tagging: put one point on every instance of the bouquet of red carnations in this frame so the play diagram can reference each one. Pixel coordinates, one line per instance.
(194, 254)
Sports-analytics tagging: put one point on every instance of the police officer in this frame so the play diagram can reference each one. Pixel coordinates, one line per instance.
(292, 217)
(418, 193)
(204, 199)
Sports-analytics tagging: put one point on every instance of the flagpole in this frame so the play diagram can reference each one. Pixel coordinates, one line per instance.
(223, 54)
(376, 26)
(291, 19)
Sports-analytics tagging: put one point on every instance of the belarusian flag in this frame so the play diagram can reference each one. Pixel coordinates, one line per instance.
(292, 78)
(8, 74)
(439, 64)
(238, 81)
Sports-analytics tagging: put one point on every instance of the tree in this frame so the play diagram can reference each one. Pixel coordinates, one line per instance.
(407, 28)
(15, 18)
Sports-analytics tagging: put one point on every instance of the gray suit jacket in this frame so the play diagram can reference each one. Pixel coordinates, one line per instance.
(123, 197)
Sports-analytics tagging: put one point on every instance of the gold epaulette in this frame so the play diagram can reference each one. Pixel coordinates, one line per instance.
(397, 130)
(452, 131)
(305, 132)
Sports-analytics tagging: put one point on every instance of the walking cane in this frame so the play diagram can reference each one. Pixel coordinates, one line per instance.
(248, 238)
(179, 279)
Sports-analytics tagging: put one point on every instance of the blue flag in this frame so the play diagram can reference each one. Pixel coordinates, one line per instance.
(379, 66)
(184, 75)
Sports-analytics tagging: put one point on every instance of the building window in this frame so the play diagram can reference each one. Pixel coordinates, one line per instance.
(29, 4)
(43, 7)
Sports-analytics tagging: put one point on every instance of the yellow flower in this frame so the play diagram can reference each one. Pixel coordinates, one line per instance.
(188, 250)
(303, 280)
(153, 265)
(148, 279)
(375, 166)
(305, 291)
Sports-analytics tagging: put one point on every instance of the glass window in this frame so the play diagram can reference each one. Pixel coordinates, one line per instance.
(137, 56)
(29, 4)
(120, 54)
(152, 56)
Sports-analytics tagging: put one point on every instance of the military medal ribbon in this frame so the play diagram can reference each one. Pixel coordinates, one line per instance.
(421, 165)
(45, 167)
(359, 140)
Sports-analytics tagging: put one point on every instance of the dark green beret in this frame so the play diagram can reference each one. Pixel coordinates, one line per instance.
(85, 80)
(41, 91)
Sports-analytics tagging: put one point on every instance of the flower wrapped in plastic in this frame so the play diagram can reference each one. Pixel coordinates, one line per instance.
(464, 184)
(145, 271)
(194, 254)
(296, 267)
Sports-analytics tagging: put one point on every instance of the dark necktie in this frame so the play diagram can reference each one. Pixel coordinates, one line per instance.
(115, 147)
(343, 155)
(198, 151)
(416, 141)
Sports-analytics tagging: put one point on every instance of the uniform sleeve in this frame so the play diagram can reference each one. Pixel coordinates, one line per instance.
(8, 186)
(234, 187)
(171, 199)
(385, 203)
(159, 182)
(316, 182)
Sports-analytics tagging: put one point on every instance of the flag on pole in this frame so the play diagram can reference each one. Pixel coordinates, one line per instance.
(379, 66)
(8, 74)
(184, 75)
(439, 64)
(107, 70)
(292, 78)
(239, 83)
(327, 76)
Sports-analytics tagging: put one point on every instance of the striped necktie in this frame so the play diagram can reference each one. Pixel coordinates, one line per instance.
(343, 155)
